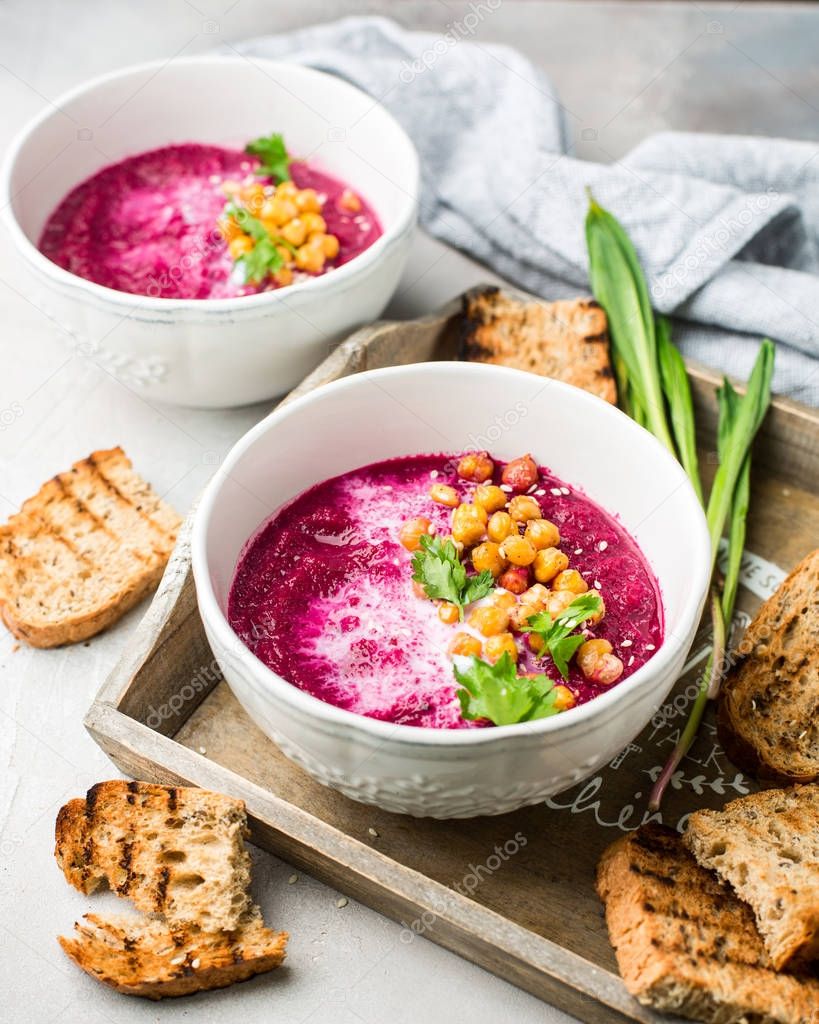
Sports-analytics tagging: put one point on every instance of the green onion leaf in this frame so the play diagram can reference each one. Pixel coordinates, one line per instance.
(677, 390)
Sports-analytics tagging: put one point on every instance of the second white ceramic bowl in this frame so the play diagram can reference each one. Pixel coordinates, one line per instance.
(213, 352)
(453, 407)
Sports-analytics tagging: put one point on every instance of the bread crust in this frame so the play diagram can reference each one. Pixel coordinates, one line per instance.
(88, 547)
(768, 712)
(567, 340)
(685, 944)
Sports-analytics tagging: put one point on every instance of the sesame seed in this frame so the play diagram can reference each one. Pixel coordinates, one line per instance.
(753, 705)
(202, 750)
(506, 487)
(372, 832)
(555, 491)
(602, 545)
(578, 551)
(802, 734)
(598, 585)
(341, 902)
(650, 647)
(292, 879)
(434, 474)
(164, 952)
(540, 492)
(631, 660)
(195, 962)
(178, 960)
(532, 489)
(565, 490)
(626, 643)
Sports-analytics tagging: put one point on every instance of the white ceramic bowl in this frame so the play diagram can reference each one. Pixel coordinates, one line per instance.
(213, 352)
(452, 407)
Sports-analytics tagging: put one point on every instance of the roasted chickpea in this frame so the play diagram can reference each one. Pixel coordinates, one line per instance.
(503, 599)
(314, 223)
(295, 232)
(309, 258)
(252, 195)
(412, 531)
(558, 602)
(521, 613)
(229, 229)
(515, 579)
(535, 642)
(418, 590)
(496, 646)
(570, 579)
(537, 595)
(330, 246)
(564, 698)
(283, 276)
(597, 663)
(466, 645)
(307, 201)
(443, 494)
(542, 533)
(476, 466)
(285, 254)
(349, 201)
(489, 619)
(490, 497)
(286, 189)
(518, 551)
(520, 474)
(596, 617)
(278, 210)
(500, 526)
(468, 524)
(522, 508)
(548, 563)
(448, 612)
(239, 246)
(487, 556)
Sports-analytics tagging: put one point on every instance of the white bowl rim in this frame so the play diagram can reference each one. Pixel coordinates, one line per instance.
(425, 736)
(148, 304)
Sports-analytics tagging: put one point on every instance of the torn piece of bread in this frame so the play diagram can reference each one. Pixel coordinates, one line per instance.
(172, 850)
(768, 714)
(685, 944)
(766, 846)
(83, 551)
(567, 340)
(150, 958)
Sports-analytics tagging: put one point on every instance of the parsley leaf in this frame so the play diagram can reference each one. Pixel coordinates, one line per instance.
(498, 693)
(437, 567)
(271, 150)
(557, 634)
(264, 258)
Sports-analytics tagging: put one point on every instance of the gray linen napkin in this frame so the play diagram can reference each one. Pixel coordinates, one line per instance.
(727, 227)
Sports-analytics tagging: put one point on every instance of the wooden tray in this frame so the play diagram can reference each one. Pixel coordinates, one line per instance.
(527, 912)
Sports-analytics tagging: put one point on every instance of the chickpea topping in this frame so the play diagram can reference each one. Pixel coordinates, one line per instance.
(570, 579)
(286, 189)
(490, 497)
(515, 580)
(295, 232)
(503, 599)
(283, 276)
(330, 246)
(500, 526)
(542, 533)
(518, 551)
(229, 229)
(448, 613)
(559, 601)
(522, 508)
(468, 524)
(596, 617)
(349, 201)
(412, 531)
(489, 619)
(307, 201)
(536, 642)
(418, 590)
(520, 614)
(548, 563)
(476, 466)
(496, 646)
(466, 644)
(597, 663)
(487, 556)
(309, 258)
(240, 245)
(520, 474)
(537, 595)
(564, 698)
(443, 494)
(314, 223)
(279, 210)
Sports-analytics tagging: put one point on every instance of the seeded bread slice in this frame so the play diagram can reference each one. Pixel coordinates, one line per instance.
(685, 944)
(767, 847)
(768, 716)
(567, 340)
(149, 958)
(83, 551)
(176, 851)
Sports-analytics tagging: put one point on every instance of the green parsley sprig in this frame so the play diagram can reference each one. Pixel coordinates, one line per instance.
(275, 160)
(264, 258)
(558, 636)
(439, 570)
(498, 693)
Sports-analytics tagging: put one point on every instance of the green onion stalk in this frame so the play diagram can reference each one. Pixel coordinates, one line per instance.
(654, 390)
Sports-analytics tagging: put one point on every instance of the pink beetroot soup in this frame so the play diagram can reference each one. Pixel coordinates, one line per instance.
(323, 594)
(148, 224)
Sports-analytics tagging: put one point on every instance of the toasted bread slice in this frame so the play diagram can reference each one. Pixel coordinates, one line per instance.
(768, 715)
(175, 851)
(149, 958)
(766, 846)
(685, 944)
(83, 551)
(567, 340)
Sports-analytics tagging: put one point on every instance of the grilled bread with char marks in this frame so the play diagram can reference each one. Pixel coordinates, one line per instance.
(83, 551)
(685, 944)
